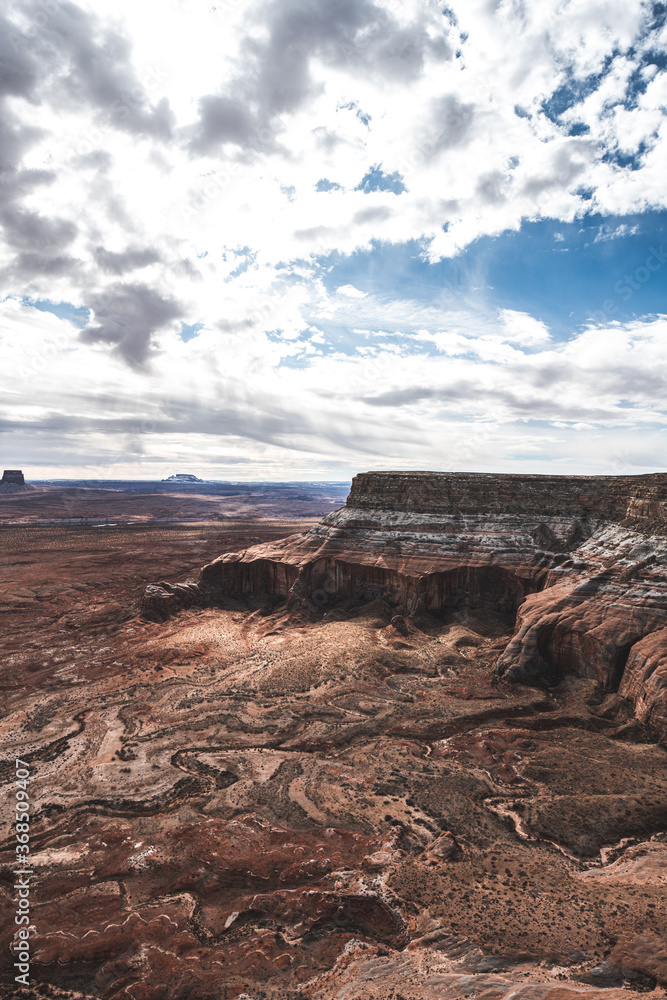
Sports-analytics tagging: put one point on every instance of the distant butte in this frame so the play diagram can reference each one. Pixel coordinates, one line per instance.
(13, 482)
(182, 477)
(578, 563)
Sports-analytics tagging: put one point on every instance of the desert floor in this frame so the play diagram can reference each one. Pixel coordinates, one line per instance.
(240, 802)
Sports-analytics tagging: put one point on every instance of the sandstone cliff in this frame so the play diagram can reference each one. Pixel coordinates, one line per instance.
(577, 564)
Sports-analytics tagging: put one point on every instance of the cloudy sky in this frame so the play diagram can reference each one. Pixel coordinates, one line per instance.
(298, 239)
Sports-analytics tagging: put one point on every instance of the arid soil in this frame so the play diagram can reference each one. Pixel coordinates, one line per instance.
(129, 502)
(248, 801)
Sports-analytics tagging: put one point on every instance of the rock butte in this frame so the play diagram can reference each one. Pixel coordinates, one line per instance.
(13, 482)
(182, 477)
(578, 561)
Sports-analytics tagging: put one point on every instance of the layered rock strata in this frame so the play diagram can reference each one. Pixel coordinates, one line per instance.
(478, 492)
(578, 564)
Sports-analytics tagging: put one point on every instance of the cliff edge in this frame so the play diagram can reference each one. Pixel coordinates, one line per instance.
(577, 565)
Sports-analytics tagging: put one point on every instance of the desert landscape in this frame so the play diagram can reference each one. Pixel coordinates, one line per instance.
(115, 502)
(333, 500)
(410, 746)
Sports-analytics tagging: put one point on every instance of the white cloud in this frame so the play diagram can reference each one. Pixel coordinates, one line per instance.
(604, 233)
(521, 328)
(466, 399)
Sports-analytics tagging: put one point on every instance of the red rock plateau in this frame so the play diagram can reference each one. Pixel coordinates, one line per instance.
(308, 771)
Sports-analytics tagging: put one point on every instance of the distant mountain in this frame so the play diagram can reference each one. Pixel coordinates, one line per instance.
(182, 477)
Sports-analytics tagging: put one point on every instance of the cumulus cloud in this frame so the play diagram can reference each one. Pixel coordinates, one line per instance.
(355, 36)
(112, 262)
(59, 58)
(223, 119)
(84, 62)
(522, 328)
(127, 316)
(19, 67)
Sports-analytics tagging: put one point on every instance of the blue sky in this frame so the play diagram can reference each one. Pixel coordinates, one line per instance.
(565, 274)
(328, 237)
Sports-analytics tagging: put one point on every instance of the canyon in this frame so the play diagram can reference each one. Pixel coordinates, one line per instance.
(414, 750)
(579, 563)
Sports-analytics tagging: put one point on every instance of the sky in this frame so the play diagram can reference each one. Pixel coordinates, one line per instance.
(301, 239)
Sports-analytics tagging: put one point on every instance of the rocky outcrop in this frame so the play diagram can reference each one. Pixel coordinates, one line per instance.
(161, 600)
(589, 614)
(182, 477)
(576, 564)
(475, 492)
(644, 680)
(13, 482)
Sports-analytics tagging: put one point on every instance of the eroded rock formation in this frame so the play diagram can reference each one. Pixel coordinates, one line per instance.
(578, 563)
(182, 477)
(316, 798)
(13, 482)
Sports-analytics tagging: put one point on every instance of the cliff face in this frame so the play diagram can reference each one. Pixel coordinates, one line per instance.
(474, 493)
(577, 565)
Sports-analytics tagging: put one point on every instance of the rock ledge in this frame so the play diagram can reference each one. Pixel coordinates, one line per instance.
(578, 564)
